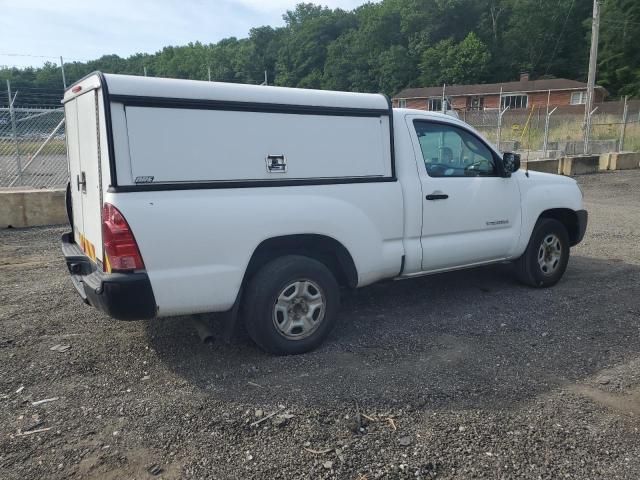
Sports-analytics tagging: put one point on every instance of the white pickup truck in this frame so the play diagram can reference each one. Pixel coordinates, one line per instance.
(192, 197)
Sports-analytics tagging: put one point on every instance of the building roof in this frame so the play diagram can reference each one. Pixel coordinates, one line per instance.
(494, 88)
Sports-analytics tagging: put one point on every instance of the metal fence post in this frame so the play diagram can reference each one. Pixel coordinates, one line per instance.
(623, 127)
(587, 133)
(501, 112)
(499, 126)
(14, 131)
(545, 145)
(64, 78)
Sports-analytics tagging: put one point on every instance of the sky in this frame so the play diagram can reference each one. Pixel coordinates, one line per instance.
(35, 31)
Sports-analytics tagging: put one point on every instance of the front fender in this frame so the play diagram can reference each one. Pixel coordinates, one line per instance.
(541, 192)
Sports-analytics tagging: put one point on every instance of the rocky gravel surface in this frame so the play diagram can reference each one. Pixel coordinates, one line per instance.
(461, 375)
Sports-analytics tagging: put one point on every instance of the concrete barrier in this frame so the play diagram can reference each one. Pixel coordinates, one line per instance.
(549, 165)
(584, 164)
(605, 161)
(624, 160)
(31, 208)
(619, 161)
(579, 165)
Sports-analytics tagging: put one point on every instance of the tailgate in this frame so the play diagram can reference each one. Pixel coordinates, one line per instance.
(82, 114)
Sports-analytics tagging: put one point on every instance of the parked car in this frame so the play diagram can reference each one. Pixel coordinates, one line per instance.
(192, 197)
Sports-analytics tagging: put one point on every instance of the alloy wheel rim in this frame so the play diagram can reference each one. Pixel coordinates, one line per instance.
(299, 309)
(549, 254)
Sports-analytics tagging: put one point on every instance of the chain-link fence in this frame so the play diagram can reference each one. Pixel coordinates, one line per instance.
(551, 132)
(33, 151)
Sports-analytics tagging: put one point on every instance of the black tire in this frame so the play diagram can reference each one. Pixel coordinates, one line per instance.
(273, 281)
(528, 269)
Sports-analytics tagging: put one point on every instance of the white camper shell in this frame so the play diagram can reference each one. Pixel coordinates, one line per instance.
(194, 197)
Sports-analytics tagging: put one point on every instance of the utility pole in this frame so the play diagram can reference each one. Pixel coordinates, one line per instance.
(209, 72)
(64, 80)
(145, 70)
(593, 63)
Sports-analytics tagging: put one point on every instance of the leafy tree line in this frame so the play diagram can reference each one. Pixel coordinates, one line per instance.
(386, 46)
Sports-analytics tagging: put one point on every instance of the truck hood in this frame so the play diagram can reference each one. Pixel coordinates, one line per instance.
(540, 178)
(544, 191)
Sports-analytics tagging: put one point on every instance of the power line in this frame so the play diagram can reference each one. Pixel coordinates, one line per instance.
(25, 55)
(555, 49)
(57, 57)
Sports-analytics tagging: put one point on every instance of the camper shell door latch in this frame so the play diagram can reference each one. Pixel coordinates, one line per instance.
(276, 164)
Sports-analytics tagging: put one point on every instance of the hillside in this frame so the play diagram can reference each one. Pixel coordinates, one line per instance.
(386, 46)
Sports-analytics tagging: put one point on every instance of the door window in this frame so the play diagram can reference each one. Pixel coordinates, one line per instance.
(449, 151)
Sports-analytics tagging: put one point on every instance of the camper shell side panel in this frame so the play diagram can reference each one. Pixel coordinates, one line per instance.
(199, 127)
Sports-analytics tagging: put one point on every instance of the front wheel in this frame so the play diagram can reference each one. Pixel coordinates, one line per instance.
(545, 259)
(291, 305)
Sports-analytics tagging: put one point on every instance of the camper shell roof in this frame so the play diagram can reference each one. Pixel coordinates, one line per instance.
(130, 86)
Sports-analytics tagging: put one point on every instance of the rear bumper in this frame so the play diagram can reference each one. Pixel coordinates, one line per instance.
(124, 296)
(583, 218)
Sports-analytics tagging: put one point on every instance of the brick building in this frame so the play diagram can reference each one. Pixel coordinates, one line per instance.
(522, 94)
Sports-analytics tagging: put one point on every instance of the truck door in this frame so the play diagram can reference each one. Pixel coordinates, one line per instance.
(82, 130)
(470, 213)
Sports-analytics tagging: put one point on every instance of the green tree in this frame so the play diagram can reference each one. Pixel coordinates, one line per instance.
(303, 53)
(455, 63)
(619, 55)
(546, 37)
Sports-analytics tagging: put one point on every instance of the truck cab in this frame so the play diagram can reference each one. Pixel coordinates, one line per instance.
(474, 208)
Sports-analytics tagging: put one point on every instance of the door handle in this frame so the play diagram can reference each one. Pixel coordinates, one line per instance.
(437, 196)
(82, 182)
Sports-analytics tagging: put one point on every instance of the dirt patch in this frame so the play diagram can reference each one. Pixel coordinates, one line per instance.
(627, 404)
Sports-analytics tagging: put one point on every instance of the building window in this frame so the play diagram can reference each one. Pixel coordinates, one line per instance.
(515, 101)
(579, 98)
(434, 104)
(475, 103)
(402, 103)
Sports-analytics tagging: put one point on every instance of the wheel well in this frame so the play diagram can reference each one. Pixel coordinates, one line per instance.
(325, 249)
(568, 218)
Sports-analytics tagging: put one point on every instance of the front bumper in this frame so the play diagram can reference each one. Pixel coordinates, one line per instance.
(583, 218)
(124, 296)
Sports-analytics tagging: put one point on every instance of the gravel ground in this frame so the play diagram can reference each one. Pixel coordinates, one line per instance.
(462, 375)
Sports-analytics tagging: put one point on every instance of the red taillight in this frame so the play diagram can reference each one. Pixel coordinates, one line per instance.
(120, 248)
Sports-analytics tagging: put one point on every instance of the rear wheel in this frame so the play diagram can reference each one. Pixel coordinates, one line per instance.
(545, 259)
(291, 305)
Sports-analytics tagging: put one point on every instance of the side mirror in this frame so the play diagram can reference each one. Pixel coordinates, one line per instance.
(510, 163)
